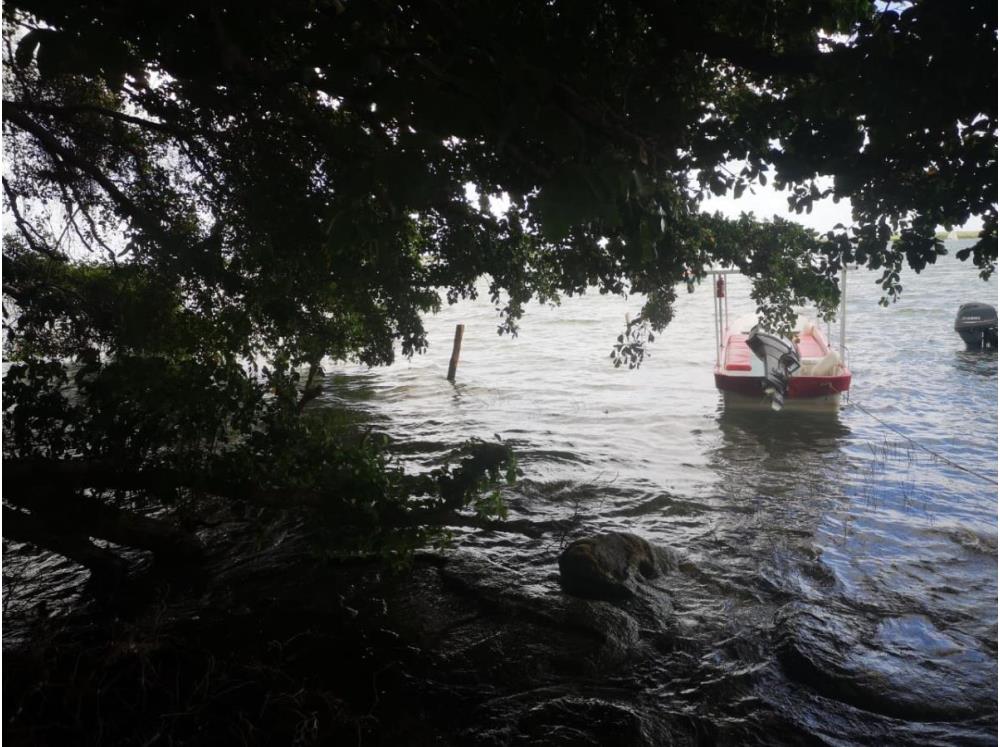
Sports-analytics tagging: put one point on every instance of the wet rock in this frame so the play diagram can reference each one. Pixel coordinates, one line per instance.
(610, 566)
(569, 633)
(567, 716)
(498, 654)
(574, 720)
(902, 667)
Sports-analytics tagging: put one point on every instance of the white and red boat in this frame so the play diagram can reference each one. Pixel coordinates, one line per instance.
(753, 367)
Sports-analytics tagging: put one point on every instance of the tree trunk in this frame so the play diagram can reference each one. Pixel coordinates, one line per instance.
(105, 566)
(82, 515)
(52, 491)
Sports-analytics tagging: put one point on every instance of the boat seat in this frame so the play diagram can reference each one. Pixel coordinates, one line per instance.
(737, 354)
(829, 365)
(810, 349)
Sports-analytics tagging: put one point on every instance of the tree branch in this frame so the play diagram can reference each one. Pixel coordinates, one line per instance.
(27, 482)
(26, 477)
(25, 228)
(90, 222)
(103, 564)
(90, 517)
(70, 109)
(51, 144)
(309, 392)
(664, 19)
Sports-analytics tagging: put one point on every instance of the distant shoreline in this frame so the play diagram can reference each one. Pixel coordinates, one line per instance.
(944, 236)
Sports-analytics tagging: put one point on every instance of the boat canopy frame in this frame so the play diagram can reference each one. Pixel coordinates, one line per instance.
(721, 310)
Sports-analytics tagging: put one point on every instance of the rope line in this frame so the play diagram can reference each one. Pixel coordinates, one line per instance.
(930, 451)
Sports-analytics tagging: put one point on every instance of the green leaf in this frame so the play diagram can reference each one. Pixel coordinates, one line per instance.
(571, 198)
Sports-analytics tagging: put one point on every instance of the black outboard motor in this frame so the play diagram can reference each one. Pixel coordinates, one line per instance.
(977, 324)
(781, 360)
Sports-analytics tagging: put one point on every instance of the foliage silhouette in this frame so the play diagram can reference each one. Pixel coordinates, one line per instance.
(206, 201)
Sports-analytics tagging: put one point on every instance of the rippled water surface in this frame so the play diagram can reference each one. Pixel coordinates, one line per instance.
(839, 574)
(842, 578)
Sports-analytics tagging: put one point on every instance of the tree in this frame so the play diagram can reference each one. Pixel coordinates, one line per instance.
(242, 190)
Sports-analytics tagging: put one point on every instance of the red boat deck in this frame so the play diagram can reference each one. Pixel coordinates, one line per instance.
(737, 353)
(738, 360)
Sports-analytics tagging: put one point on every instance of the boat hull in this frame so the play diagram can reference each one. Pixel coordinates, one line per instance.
(804, 392)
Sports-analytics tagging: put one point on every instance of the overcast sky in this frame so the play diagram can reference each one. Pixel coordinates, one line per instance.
(765, 202)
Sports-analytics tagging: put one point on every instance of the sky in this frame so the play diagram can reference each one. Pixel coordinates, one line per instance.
(766, 202)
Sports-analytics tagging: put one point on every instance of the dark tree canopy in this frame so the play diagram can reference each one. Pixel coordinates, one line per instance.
(239, 190)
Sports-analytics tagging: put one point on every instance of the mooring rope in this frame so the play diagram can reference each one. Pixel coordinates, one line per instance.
(919, 445)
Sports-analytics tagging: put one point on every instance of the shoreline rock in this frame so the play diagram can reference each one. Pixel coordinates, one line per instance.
(611, 566)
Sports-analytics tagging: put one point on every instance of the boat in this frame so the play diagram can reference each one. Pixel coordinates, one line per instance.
(754, 368)
(976, 324)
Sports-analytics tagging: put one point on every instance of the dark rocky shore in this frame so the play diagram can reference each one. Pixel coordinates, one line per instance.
(281, 647)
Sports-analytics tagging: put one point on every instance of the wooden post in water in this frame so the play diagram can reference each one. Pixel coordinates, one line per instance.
(456, 348)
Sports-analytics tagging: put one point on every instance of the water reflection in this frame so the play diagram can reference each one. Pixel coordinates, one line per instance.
(782, 432)
(979, 362)
(774, 454)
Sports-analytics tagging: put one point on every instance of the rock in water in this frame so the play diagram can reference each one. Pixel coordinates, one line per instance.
(608, 566)
(903, 667)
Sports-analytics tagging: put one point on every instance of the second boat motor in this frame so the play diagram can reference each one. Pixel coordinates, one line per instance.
(781, 360)
(977, 324)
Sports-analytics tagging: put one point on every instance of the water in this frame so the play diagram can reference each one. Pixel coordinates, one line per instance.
(847, 579)
(839, 581)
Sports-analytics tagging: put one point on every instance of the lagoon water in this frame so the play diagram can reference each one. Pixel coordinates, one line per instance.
(846, 582)
(840, 576)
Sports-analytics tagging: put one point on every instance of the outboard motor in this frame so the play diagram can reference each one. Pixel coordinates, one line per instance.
(977, 324)
(781, 360)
